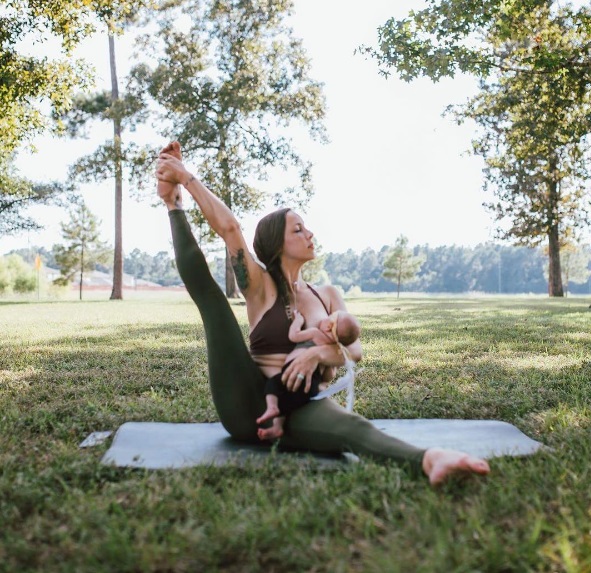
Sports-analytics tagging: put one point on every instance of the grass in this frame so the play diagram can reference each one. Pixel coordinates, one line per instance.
(70, 368)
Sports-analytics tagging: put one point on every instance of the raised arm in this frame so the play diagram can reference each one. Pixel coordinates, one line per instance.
(249, 273)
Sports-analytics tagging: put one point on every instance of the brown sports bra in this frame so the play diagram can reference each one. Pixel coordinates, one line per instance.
(271, 334)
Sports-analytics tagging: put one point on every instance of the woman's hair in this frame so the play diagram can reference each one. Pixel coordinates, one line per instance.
(269, 237)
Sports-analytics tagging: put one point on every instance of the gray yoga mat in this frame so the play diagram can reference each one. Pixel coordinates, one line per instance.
(155, 445)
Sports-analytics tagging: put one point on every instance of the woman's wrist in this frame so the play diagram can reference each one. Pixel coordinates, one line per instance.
(189, 178)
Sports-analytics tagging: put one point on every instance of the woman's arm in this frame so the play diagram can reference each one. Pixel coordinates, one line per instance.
(307, 362)
(249, 273)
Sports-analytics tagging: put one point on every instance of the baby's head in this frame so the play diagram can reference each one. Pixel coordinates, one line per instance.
(343, 326)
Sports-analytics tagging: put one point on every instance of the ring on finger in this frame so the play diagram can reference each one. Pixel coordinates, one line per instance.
(300, 376)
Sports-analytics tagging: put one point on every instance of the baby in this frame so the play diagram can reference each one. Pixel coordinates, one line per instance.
(340, 327)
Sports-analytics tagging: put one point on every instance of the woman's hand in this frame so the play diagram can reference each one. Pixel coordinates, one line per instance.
(171, 169)
(169, 192)
(301, 369)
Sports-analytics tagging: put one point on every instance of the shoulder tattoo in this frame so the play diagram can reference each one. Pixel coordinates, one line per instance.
(240, 270)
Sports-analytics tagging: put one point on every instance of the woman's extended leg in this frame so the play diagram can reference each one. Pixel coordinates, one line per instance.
(324, 426)
(236, 382)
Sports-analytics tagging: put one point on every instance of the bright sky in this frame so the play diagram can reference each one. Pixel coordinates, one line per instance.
(394, 165)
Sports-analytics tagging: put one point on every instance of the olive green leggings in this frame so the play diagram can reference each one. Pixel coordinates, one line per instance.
(237, 384)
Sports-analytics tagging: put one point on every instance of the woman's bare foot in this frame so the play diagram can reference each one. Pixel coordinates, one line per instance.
(270, 413)
(440, 464)
(169, 192)
(272, 433)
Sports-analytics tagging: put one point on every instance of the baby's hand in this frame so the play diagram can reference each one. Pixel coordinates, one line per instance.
(298, 319)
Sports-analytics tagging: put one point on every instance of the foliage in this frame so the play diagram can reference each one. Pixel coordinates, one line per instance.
(29, 255)
(28, 77)
(32, 84)
(486, 268)
(313, 271)
(158, 269)
(400, 265)
(83, 248)
(16, 275)
(65, 374)
(533, 58)
(227, 89)
(18, 194)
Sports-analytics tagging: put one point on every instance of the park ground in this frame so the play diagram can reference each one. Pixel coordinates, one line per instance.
(69, 368)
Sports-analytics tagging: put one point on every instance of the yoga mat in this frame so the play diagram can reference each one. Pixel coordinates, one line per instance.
(156, 445)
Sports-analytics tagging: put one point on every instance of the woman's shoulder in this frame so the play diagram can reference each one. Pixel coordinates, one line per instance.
(330, 295)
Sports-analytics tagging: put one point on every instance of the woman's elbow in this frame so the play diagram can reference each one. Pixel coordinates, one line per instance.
(228, 229)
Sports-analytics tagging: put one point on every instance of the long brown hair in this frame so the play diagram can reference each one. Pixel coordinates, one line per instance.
(269, 237)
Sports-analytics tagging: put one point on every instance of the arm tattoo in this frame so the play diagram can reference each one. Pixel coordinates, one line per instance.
(240, 269)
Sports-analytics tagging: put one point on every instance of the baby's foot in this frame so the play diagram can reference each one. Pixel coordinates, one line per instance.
(270, 413)
(272, 433)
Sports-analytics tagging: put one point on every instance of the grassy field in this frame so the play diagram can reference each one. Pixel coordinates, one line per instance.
(70, 368)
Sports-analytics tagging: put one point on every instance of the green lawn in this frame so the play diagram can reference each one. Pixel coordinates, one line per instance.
(70, 368)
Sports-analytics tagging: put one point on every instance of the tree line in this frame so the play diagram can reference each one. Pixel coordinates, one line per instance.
(487, 268)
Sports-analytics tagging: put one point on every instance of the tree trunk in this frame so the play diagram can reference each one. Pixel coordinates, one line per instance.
(554, 270)
(117, 292)
(81, 272)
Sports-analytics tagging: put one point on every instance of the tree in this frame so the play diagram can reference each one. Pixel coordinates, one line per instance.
(17, 194)
(31, 84)
(83, 249)
(228, 88)
(16, 275)
(575, 264)
(313, 271)
(401, 266)
(533, 60)
(28, 80)
(110, 159)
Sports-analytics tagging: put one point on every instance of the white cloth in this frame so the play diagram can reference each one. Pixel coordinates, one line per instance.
(345, 382)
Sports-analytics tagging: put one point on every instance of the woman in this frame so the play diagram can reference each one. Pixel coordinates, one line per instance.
(236, 376)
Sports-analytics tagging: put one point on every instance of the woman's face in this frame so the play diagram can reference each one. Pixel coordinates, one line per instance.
(297, 243)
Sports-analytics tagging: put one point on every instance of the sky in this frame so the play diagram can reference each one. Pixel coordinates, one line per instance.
(394, 166)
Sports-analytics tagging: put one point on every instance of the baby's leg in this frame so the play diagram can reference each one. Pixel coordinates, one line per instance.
(272, 410)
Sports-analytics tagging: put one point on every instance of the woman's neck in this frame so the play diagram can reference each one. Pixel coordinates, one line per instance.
(293, 276)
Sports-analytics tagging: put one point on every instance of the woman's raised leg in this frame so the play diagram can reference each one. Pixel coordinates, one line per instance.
(236, 382)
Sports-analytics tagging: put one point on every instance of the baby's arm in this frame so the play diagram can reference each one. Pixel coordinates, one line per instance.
(296, 326)
(296, 334)
(313, 334)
